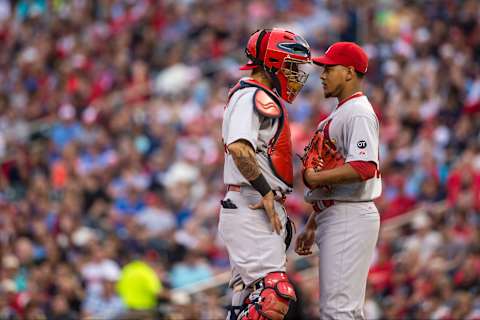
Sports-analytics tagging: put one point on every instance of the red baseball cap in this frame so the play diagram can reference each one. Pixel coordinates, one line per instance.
(346, 54)
(249, 65)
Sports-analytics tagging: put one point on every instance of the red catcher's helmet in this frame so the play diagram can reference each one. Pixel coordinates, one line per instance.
(280, 53)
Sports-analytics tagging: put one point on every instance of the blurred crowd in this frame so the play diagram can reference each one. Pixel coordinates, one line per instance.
(111, 155)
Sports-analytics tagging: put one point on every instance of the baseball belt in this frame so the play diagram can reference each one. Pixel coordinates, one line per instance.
(279, 195)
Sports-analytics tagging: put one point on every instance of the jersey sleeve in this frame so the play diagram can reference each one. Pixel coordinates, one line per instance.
(362, 139)
(244, 121)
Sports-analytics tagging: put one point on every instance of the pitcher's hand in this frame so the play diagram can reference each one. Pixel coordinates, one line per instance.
(268, 204)
(305, 239)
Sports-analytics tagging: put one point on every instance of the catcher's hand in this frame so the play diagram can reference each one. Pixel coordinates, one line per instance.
(267, 203)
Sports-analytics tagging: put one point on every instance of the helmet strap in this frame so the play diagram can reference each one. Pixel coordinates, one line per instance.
(258, 45)
(275, 82)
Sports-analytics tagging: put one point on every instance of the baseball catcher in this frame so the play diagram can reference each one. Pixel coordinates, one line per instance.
(258, 174)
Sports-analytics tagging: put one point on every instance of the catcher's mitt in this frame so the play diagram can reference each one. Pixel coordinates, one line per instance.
(320, 154)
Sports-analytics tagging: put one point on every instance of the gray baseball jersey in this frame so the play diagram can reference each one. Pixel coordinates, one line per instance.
(347, 231)
(242, 121)
(354, 130)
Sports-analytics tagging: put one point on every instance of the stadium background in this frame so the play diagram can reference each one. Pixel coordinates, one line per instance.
(111, 157)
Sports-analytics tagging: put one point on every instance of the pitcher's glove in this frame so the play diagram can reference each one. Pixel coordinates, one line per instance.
(320, 154)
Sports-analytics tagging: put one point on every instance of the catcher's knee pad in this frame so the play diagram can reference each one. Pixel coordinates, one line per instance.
(271, 299)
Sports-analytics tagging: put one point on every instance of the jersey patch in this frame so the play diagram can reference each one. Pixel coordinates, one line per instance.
(362, 144)
(265, 105)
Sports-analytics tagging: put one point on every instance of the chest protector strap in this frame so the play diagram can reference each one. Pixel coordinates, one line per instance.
(279, 150)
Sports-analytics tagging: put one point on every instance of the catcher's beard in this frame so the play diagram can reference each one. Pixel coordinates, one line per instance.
(294, 87)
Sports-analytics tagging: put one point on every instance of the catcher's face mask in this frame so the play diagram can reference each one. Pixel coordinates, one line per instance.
(294, 77)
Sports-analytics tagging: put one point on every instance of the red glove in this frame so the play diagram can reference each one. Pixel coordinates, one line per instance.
(320, 154)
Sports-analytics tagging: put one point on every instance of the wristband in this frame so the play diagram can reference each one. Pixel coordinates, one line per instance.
(261, 185)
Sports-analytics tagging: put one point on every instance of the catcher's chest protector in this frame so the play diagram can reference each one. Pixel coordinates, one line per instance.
(280, 146)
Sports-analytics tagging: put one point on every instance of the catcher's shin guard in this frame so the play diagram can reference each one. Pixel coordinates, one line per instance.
(271, 300)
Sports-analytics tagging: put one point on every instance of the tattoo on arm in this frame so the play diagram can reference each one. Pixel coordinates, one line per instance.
(245, 160)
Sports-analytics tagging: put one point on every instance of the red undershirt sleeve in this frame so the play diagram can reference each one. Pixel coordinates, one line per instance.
(366, 169)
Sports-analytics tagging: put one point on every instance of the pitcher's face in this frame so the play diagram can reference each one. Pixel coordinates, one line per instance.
(333, 79)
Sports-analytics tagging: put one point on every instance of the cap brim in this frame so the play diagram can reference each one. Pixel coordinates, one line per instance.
(248, 66)
(324, 60)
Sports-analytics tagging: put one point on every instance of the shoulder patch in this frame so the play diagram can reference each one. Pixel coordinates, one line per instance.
(265, 105)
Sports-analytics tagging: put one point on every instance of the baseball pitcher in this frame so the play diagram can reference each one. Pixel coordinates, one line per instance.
(341, 173)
